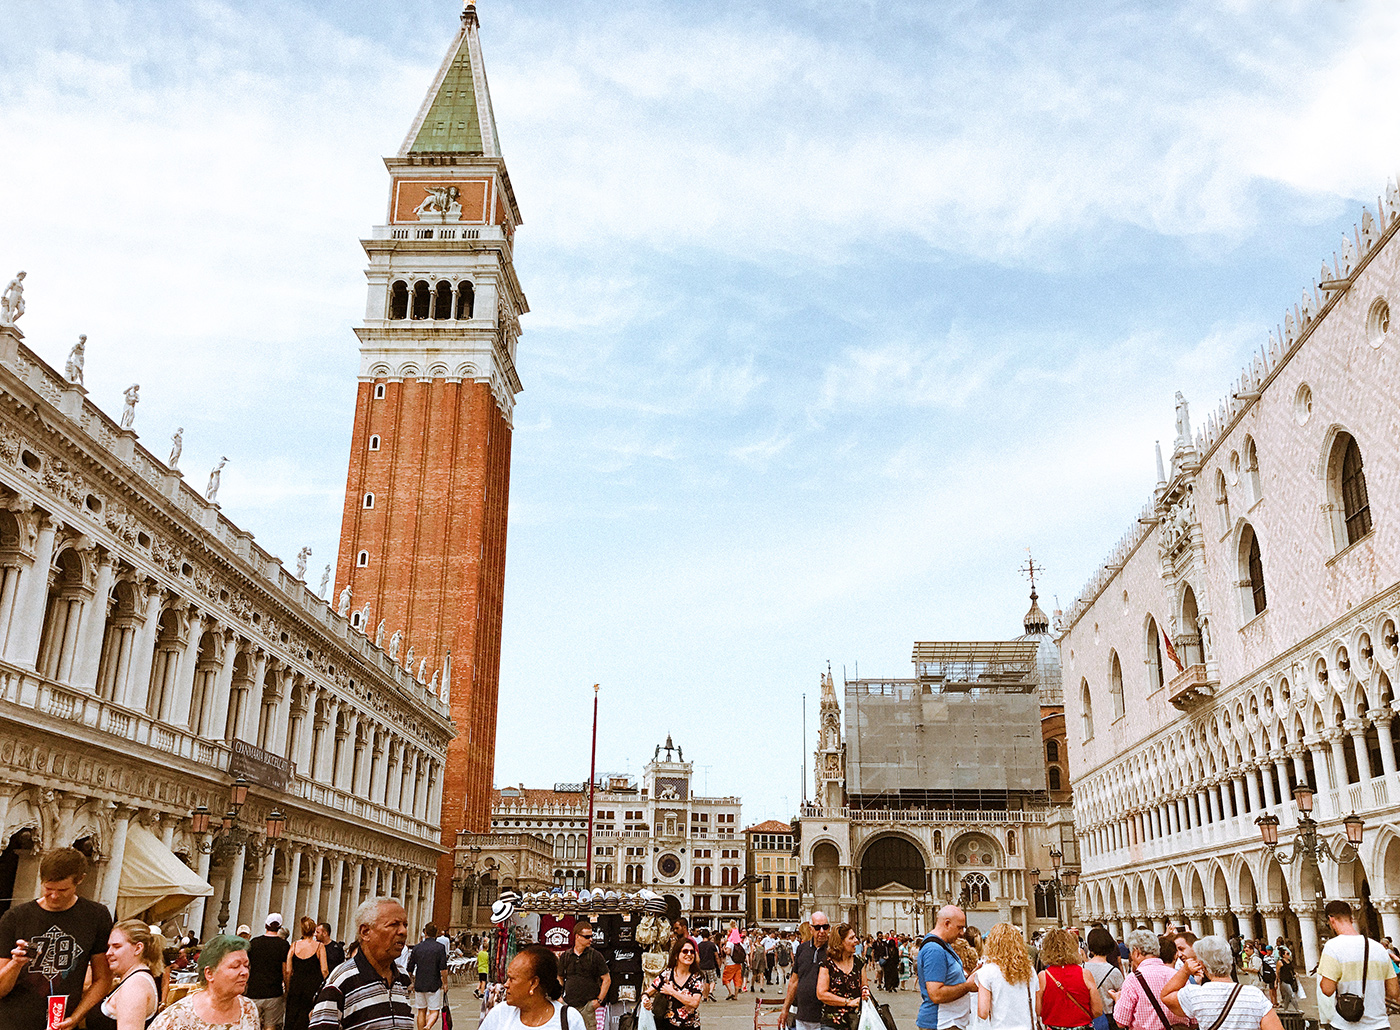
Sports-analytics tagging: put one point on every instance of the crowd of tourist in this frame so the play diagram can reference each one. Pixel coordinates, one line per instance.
(70, 966)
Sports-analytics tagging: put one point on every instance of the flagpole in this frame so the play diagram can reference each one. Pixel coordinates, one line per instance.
(592, 777)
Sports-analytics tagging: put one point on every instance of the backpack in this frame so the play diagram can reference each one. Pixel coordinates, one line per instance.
(784, 953)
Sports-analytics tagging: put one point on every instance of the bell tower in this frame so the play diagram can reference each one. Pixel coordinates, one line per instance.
(423, 538)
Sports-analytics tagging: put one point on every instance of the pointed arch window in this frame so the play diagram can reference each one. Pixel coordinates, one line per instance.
(1222, 501)
(1153, 642)
(1252, 573)
(1356, 504)
(1086, 710)
(1115, 683)
(1251, 470)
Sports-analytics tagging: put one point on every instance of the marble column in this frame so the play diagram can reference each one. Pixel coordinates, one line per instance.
(1267, 765)
(1307, 928)
(235, 873)
(217, 727)
(1357, 729)
(22, 648)
(1340, 778)
(180, 713)
(335, 903)
(262, 903)
(1251, 782)
(135, 691)
(252, 705)
(1300, 768)
(1381, 717)
(1242, 808)
(111, 883)
(1389, 908)
(197, 910)
(94, 627)
(291, 891)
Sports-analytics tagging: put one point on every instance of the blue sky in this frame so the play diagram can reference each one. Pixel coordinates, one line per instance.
(836, 308)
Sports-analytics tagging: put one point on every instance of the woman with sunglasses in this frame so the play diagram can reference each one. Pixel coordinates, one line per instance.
(681, 986)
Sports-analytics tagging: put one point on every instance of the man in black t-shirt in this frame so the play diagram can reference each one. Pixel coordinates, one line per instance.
(585, 973)
(267, 981)
(51, 943)
(708, 958)
(802, 985)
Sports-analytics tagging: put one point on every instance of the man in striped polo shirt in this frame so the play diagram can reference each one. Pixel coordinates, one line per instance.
(370, 992)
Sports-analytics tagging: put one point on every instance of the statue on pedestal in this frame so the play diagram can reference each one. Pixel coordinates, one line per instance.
(325, 581)
(302, 557)
(379, 635)
(211, 492)
(73, 371)
(394, 644)
(409, 663)
(177, 448)
(343, 606)
(132, 394)
(12, 301)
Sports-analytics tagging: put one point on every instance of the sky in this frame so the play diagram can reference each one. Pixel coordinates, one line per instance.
(836, 309)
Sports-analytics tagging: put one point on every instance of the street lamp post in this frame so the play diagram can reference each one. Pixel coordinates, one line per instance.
(230, 838)
(1309, 846)
(1060, 885)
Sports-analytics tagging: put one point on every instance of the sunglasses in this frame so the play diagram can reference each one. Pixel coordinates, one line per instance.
(687, 951)
(821, 926)
(586, 936)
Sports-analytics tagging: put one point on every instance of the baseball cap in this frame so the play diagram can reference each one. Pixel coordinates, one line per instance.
(274, 921)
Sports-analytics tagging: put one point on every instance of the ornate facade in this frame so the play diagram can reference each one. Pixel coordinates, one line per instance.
(1241, 639)
(936, 790)
(150, 652)
(656, 834)
(423, 540)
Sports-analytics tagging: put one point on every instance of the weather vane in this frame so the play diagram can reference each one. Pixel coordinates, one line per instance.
(1031, 568)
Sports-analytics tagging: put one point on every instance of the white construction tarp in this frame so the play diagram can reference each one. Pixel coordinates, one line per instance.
(153, 878)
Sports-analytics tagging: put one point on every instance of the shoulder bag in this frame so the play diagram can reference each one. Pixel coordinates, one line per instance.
(1156, 1005)
(1352, 1007)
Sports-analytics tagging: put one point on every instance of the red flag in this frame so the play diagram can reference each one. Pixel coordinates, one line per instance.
(1171, 653)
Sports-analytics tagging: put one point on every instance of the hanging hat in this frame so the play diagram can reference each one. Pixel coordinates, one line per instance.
(501, 911)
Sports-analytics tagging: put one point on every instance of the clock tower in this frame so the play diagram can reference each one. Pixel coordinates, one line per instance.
(423, 538)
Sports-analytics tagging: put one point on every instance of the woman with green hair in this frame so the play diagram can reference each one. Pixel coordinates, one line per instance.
(223, 974)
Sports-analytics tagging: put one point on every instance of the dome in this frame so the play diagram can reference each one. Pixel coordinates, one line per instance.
(1048, 675)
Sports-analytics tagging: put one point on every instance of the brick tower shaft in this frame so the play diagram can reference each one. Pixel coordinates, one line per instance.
(423, 538)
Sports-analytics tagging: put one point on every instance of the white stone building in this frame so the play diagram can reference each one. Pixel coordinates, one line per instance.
(656, 834)
(1269, 558)
(150, 652)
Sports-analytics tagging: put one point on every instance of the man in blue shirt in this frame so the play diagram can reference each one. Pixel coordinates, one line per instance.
(941, 977)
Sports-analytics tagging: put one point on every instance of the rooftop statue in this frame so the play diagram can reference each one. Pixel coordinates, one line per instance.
(216, 475)
(177, 447)
(302, 556)
(12, 301)
(342, 607)
(132, 394)
(73, 371)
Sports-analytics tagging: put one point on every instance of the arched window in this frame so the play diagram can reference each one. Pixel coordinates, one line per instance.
(369, 500)
(422, 299)
(1045, 906)
(976, 889)
(1053, 774)
(374, 443)
(1052, 751)
(379, 391)
(362, 559)
(1086, 710)
(1222, 501)
(1153, 642)
(466, 299)
(398, 300)
(1115, 683)
(1356, 505)
(1252, 573)
(1251, 471)
(63, 615)
(442, 299)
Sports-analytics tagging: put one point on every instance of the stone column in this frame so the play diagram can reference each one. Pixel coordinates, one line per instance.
(1381, 717)
(1251, 782)
(346, 780)
(252, 708)
(197, 910)
(1307, 928)
(1273, 921)
(94, 628)
(111, 883)
(291, 890)
(217, 727)
(309, 897)
(22, 648)
(137, 688)
(1300, 768)
(380, 764)
(1242, 808)
(235, 874)
(1266, 778)
(180, 713)
(262, 899)
(1389, 908)
(281, 711)
(335, 902)
(1357, 729)
(305, 757)
(1339, 765)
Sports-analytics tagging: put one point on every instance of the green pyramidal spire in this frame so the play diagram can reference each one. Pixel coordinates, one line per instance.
(456, 116)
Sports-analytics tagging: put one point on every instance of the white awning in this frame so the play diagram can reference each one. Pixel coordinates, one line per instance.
(153, 878)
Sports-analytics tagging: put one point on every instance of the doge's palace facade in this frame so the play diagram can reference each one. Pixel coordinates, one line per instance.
(1268, 561)
(150, 652)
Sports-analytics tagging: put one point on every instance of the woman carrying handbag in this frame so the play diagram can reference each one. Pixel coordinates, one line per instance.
(1069, 997)
(674, 997)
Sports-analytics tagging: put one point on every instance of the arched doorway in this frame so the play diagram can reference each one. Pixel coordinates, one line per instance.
(893, 879)
(826, 874)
